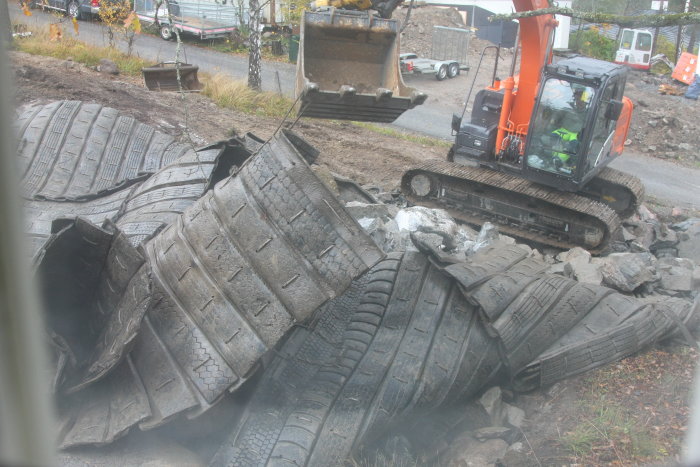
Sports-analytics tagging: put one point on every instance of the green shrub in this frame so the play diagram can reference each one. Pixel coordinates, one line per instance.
(593, 44)
(668, 48)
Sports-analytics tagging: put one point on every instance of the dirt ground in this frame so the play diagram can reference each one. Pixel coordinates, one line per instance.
(630, 413)
(358, 153)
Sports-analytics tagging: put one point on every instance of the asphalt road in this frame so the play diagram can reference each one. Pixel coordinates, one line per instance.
(665, 181)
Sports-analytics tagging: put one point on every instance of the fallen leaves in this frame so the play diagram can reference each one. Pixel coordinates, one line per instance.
(669, 89)
(133, 21)
(55, 32)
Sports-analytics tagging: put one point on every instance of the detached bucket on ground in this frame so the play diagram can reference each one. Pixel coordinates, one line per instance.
(348, 68)
(163, 77)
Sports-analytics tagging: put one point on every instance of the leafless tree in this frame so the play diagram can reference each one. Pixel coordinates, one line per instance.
(254, 75)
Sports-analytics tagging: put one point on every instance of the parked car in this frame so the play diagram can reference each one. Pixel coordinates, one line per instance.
(412, 64)
(79, 9)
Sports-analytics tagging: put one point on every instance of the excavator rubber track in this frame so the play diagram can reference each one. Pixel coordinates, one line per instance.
(348, 68)
(620, 191)
(517, 206)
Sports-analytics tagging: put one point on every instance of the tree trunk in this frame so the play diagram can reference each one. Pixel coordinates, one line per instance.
(692, 40)
(254, 78)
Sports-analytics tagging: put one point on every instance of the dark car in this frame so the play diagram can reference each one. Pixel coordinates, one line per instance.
(79, 9)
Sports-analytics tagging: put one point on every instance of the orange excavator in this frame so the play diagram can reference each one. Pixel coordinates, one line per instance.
(533, 156)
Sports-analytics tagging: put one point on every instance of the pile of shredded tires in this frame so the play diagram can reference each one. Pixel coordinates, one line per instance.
(228, 289)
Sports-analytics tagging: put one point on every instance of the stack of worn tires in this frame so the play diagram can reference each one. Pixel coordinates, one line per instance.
(175, 276)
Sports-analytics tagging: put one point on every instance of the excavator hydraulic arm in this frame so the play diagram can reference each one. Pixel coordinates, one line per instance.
(348, 68)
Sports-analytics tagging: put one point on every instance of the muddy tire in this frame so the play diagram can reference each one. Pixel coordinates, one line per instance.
(75, 151)
(411, 339)
(166, 32)
(258, 253)
(441, 73)
(452, 70)
(402, 351)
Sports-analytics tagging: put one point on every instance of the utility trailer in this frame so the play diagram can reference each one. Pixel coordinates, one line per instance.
(201, 18)
(413, 64)
(448, 55)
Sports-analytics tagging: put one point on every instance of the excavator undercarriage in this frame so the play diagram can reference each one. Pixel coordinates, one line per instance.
(525, 209)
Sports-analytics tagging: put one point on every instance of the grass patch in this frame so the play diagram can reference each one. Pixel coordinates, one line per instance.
(233, 94)
(609, 433)
(633, 412)
(418, 139)
(39, 44)
(223, 90)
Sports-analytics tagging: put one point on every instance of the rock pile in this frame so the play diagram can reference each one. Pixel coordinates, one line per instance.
(657, 259)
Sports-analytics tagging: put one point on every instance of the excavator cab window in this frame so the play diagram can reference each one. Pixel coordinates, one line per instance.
(558, 126)
(603, 129)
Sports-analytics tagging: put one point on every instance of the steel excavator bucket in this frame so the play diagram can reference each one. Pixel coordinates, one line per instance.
(348, 68)
(164, 77)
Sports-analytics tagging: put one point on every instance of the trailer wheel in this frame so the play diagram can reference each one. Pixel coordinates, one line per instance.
(452, 70)
(441, 73)
(166, 32)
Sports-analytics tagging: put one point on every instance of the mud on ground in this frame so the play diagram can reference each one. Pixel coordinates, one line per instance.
(375, 159)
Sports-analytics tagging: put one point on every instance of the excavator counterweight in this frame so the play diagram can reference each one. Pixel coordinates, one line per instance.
(348, 68)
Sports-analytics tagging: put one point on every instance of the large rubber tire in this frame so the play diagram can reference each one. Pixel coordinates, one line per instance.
(258, 253)
(441, 74)
(417, 339)
(402, 352)
(71, 150)
(452, 70)
(59, 154)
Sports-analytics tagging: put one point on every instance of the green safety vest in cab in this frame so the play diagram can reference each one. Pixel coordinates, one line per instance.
(568, 138)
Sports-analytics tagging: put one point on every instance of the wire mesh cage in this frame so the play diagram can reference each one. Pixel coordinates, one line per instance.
(450, 44)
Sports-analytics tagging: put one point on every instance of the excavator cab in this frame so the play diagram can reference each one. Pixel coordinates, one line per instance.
(348, 68)
(579, 123)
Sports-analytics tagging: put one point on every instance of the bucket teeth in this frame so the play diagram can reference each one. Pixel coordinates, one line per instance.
(384, 93)
(418, 97)
(310, 88)
(346, 91)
